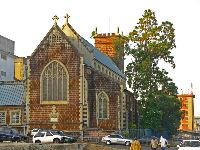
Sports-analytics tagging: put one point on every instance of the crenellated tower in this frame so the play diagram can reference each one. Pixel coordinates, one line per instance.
(106, 43)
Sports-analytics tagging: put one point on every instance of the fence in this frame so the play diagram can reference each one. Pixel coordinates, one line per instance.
(140, 133)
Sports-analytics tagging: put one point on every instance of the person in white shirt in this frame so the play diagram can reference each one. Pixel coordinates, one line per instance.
(163, 143)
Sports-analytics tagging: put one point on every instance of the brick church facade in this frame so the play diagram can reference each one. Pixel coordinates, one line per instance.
(74, 86)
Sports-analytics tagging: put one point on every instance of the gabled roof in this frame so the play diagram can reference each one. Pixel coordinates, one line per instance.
(11, 94)
(97, 54)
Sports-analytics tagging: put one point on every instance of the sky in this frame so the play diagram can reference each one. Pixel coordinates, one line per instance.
(27, 22)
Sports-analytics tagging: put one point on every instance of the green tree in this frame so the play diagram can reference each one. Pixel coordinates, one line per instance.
(149, 45)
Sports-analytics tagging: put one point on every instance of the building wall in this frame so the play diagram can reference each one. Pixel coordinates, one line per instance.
(8, 110)
(6, 67)
(105, 43)
(197, 124)
(68, 114)
(19, 68)
(6, 59)
(7, 45)
(131, 109)
(97, 82)
(187, 120)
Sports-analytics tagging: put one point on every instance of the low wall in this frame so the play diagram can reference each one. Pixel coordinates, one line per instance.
(74, 146)
(31, 146)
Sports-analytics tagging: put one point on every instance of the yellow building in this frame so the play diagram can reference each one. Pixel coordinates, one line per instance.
(187, 119)
(19, 68)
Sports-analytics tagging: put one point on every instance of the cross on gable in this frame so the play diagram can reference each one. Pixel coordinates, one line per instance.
(67, 17)
(55, 18)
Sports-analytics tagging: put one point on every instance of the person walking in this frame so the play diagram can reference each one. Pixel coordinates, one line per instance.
(154, 143)
(163, 143)
(135, 145)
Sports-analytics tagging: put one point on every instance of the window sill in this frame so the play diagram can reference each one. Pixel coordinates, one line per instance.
(54, 102)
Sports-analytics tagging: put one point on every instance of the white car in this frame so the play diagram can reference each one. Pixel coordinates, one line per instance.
(47, 137)
(116, 139)
(189, 145)
(34, 131)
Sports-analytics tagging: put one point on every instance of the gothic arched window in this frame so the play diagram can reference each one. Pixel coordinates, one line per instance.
(54, 82)
(103, 105)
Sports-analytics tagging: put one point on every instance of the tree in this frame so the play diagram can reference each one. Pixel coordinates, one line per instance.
(149, 45)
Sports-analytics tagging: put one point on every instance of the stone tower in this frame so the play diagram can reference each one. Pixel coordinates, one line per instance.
(106, 44)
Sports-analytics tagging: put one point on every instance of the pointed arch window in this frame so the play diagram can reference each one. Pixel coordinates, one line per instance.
(103, 105)
(54, 82)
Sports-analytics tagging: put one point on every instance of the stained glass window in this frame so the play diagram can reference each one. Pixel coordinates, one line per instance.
(54, 82)
(103, 105)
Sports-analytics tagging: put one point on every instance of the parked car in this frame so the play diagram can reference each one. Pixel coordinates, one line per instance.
(65, 137)
(47, 137)
(116, 139)
(189, 145)
(11, 134)
(36, 130)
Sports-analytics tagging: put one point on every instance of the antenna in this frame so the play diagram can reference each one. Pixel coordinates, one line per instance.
(109, 24)
(181, 91)
(191, 88)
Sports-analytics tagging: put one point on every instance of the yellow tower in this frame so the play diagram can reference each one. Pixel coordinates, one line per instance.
(187, 119)
(19, 68)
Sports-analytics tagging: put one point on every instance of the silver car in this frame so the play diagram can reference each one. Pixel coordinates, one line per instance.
(189, 145)
(116, 139)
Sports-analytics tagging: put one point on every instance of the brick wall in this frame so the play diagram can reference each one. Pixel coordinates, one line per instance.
(39, 114)
(97, 83)
(105, 43)
(9, 109)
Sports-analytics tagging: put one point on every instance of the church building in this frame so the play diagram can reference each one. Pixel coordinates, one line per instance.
(73, 85)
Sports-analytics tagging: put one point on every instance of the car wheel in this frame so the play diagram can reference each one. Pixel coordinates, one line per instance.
(56, 140)
(127, 143)
(16, 140)
(108, 142)
(37, 141)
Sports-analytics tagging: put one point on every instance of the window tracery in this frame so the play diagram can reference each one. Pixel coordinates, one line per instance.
(54, 81)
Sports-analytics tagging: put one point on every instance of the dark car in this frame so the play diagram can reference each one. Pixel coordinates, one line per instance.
(68, 139)
(11, 134)
(65, 137)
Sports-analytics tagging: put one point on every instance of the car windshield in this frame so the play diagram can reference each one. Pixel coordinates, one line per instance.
(55, 132)
(190, 144)
(39, 134)
(8, 130)
(35, 130)
(116, 136)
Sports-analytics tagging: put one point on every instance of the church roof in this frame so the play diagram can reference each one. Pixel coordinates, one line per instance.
(104, 59)
(11, 93)
(97, 54)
